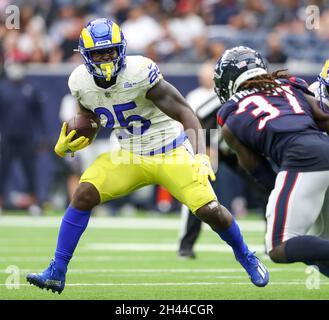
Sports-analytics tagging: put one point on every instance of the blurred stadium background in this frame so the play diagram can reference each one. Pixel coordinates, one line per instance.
(180, 35)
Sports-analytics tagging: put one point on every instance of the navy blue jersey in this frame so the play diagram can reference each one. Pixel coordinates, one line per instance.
(278, 126)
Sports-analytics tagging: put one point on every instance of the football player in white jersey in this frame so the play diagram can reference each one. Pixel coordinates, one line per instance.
(320, 88)
(149, 117)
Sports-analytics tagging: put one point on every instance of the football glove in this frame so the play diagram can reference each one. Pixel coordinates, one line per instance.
(202, 169)
(65, 144)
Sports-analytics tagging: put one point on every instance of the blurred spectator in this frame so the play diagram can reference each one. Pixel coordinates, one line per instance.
(186, 25)
(166, 47)
(153, 9)
(65, 19)
(275, 53)
(140, 30)
(21, 126)
(119, 9)
(166, 30)
(205, 91)
(11, 50)
(281, 13)
(250, 17)
(220, 11)
(216, 49)
(34, 43)
(26, 12)
(199, 51)
(70, 42)
(323, 31)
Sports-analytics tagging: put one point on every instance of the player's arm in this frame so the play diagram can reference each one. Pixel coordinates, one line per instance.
(321, 118)
(168, 99)
(257, 166)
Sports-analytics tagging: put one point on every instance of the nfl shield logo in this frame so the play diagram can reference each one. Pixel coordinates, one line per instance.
(107, 94)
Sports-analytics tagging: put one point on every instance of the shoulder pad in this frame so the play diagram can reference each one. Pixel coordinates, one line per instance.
(78, 80)
(142, 71)
(224, 111)
(301, 84)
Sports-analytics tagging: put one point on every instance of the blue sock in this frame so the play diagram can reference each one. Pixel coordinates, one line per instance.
(73, 225)
(233, 237)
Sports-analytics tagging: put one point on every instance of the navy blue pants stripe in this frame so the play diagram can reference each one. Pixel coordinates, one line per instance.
(281, 207)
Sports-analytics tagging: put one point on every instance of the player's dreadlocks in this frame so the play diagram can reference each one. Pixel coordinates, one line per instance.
(266, 83)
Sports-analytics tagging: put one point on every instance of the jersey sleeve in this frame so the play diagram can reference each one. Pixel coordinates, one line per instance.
(301, 84)
(315, 88)
(73, 84)
(77, 83)
(149, 74)
(224, 112)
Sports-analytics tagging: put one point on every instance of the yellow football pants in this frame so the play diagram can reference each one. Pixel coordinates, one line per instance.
(117, 173)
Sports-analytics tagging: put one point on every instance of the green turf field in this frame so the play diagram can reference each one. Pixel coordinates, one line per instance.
(135, 259)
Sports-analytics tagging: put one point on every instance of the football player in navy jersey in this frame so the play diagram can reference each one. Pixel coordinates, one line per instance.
(273, 121)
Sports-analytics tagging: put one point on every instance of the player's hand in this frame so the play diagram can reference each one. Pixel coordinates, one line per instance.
(65, 143)
(202, 169)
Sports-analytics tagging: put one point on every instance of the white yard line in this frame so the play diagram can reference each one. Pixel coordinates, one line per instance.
(140, 247)
(158, 223)
(153, 284)
(189, 271)
(171, 247)
(78, 258)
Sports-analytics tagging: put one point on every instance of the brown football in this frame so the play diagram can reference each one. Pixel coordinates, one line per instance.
(85, 124)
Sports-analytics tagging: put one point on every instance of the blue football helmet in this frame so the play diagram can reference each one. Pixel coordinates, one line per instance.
(323, 79)
(236, 66)
(100, 34)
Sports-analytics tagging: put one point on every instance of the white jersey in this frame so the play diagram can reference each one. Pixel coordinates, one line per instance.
(315, 88)
(140, 126)
(319, 93)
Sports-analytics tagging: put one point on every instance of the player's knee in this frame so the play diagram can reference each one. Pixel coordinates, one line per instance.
(85, 197)
(215, 215)
(277, 254)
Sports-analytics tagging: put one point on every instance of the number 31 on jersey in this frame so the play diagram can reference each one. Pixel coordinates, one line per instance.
(264, 106)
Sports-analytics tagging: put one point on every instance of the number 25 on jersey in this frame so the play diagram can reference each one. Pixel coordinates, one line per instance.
(124, 121)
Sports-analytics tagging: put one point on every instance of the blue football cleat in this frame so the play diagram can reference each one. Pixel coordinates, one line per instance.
(51, 278)
(257, 272)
